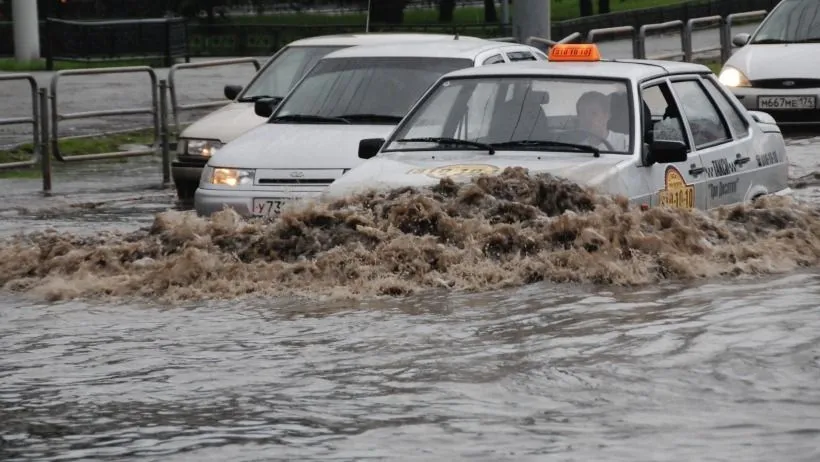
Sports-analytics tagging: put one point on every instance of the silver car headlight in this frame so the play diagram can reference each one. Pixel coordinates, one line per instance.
(732, 77)
(228, 176)
(201, 148)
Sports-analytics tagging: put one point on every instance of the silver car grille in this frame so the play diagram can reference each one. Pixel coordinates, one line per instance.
(786, 83)
(298, 177)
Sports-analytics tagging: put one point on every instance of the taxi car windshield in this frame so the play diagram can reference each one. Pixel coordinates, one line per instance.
(370, 90)
(529, 113)
(278, 77)
(794, 21)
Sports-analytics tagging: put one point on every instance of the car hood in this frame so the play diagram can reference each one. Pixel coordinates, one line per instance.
(419, 170)
(773, 61)
(272, 146)
(225, 124)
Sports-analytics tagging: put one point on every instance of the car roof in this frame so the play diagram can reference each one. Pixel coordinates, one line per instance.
(452, 48)
(631, 69)
(372, 38)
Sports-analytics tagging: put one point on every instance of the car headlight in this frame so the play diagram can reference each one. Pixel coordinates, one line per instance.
(732, 77)
(228, 176)
(202, 148)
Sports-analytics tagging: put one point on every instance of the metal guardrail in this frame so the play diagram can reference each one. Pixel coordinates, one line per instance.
(616, 31)
(688, 49)
(56, 116)
(172, 85)
(660, 27)
(727, 29)
(34, 120)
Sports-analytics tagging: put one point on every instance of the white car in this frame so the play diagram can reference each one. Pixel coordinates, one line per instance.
(661, 133)
(312, 138)
(270, 84)
(777, 68)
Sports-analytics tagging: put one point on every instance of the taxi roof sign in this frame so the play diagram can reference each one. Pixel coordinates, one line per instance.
(575, 52)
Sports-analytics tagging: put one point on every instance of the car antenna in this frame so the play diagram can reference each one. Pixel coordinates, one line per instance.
(455, 37)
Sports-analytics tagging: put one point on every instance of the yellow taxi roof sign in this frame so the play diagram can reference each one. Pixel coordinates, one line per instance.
(575, 52)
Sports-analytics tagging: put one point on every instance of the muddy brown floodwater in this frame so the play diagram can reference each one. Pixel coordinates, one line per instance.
(481, 322)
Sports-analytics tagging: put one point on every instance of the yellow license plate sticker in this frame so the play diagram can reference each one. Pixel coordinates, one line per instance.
(456, 170)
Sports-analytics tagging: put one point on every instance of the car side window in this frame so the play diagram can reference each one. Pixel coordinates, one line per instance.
(494, 59)
(520, 56)
(739, 125)
(707, 126)
(662, 120)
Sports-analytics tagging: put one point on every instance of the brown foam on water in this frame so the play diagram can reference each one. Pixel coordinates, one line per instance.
(495, 232)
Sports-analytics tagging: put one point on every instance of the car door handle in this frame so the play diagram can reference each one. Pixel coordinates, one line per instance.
(742, 160)
(696, 171)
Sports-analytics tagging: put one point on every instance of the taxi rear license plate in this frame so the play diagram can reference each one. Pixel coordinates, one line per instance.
(786, 102)
(267, 207)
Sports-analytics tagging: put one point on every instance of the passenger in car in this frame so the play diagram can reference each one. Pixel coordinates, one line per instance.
(593, 109)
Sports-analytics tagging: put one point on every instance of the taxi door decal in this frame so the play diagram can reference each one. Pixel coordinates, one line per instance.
(676, 192)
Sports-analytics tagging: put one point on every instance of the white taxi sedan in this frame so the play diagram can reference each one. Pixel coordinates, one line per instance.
(661, 133)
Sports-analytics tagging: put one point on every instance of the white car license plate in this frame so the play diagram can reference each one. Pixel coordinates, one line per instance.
(786, 102)
(268, 207)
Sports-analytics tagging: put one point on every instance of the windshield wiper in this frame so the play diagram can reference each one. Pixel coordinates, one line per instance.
(548, 144)
(453, 141)
(307, 118)
(253, 99)
(808, 40)
(372, 117)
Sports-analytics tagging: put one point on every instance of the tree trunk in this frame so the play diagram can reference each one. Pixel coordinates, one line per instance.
(586, 7)
(603, 6)
(387, 11)
(490, 15)
(445, 10)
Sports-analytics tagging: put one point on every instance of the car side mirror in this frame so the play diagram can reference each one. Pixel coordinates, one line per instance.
(667, 151)
(264, 107)
(740, 40)
(370, 147)
(232, 91)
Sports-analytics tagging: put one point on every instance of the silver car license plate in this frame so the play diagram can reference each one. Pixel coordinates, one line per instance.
(267, 207)
(786, 102)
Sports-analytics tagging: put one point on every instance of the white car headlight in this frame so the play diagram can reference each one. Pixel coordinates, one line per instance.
(202, 148)
(732, 77)
(228, 176)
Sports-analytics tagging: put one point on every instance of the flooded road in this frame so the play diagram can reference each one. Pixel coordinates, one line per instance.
(719, 372)
(718, 364)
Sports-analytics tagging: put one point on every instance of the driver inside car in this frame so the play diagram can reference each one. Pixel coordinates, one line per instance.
(593, 109)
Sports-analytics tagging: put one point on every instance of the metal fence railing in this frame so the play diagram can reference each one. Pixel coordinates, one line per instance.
(176, 107)
(34, 120)
(661, 27)
(57, 116)
(689, 50)
(616, 33)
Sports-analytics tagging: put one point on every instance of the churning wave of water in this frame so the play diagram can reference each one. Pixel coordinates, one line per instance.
(717, 372)
(496, 232)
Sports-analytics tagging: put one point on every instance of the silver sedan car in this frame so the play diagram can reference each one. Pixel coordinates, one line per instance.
(777, 68)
